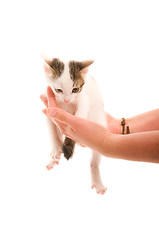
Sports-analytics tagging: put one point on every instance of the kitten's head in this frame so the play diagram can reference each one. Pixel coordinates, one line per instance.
(66, 79)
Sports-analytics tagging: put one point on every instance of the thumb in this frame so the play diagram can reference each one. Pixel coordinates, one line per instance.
(51, 97)
(61, 115)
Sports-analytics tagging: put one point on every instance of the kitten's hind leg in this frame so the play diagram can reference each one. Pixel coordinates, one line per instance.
(95, 173)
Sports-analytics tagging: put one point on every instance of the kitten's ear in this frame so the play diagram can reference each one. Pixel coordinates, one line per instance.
(47, 65)
(46, 60)
(85, 65)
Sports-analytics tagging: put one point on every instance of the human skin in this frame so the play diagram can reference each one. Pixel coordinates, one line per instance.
(144, 122)
(141, 145)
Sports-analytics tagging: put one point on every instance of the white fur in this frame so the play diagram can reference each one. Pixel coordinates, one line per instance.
(86, 104)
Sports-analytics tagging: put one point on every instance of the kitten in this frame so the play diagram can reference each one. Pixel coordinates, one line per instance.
(77, 93)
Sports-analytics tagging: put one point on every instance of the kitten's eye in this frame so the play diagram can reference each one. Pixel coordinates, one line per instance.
(75, 90)
(58, 90)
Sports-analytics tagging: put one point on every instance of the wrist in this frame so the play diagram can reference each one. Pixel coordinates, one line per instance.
(113, 124)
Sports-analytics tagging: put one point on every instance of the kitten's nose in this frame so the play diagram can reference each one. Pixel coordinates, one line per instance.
(67, 100)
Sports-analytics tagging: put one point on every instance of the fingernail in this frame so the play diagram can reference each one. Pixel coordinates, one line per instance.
(44, 111)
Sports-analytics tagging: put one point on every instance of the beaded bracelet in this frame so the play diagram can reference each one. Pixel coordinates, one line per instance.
(123, 123)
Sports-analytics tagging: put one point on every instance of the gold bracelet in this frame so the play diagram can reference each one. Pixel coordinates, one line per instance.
(123, 123)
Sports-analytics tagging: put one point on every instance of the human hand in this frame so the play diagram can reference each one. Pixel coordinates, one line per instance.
(49, 100)
(80, 130)
(137, 147)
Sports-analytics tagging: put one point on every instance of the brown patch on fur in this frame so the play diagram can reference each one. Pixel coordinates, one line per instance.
(56, 66)
(75, 69)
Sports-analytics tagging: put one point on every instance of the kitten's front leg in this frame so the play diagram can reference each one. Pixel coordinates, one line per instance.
(82, 107)
(56, 145)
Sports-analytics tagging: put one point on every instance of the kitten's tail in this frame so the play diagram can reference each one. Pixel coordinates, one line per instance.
(68, 148)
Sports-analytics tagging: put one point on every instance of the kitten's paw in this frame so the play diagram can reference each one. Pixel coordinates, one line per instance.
(100, 188)
(54, 160)
(51, 164)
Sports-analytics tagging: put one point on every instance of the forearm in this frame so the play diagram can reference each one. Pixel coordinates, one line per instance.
(144, 122)
(141, 145)
(136, 147)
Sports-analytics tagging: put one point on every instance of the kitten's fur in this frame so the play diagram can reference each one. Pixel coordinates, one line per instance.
(77, 93)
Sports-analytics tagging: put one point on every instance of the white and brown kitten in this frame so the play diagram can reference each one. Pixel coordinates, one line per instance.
(77, 93)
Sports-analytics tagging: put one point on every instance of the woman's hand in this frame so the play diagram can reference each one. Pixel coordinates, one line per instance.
(140, 146)
(82, 131)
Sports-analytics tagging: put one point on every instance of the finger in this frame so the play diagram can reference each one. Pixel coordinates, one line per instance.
(63, 128)
(43, 98)
(61, 115)
(44, 111)
(81, 145)
(51, 97)
(59, 124)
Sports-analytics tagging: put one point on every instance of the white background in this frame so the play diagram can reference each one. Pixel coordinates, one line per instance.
(123, 38)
